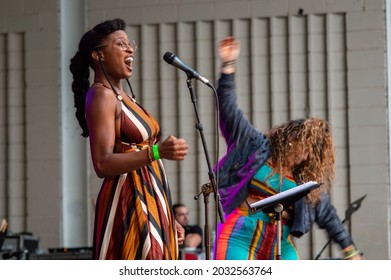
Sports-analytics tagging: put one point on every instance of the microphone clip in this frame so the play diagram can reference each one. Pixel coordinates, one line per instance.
(206, 189)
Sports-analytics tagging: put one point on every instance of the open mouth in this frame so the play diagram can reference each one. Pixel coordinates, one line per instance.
(128, 62)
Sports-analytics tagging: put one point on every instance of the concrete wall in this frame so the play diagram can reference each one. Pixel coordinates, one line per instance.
(299, 57)
(30, 159)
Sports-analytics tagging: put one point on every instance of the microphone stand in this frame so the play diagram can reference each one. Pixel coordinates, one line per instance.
(207, 188)
(277, 209)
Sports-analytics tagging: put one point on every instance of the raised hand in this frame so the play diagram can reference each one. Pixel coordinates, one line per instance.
(229, 49)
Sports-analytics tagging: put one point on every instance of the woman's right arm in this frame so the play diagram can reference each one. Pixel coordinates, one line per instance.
(234, 125)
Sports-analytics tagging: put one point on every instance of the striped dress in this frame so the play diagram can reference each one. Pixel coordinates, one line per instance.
(133, 216)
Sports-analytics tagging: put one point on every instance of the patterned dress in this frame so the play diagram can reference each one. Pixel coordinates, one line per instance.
(133, 215)
(253, 236)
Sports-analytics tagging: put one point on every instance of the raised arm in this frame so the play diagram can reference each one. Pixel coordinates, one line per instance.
(233, 124)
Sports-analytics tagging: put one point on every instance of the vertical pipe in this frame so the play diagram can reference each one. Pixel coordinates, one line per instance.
(388, 35)
(3, 131)
(16, 134)
(73, 146)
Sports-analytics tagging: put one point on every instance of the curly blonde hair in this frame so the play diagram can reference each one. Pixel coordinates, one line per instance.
(310, 136)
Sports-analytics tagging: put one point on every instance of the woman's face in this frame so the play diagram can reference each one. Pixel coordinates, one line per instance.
(118, 54)
(298, 153)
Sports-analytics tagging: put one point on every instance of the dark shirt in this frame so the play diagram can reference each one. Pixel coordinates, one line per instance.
(194, 229)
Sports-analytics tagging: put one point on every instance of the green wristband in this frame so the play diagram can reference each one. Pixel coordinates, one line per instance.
(155, 150)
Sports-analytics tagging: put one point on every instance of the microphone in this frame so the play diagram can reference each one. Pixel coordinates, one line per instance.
(171, 58)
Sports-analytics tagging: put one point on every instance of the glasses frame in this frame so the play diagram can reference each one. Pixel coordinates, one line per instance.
(132, 44)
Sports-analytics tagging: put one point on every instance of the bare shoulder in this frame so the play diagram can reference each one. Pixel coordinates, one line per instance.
(100, 98)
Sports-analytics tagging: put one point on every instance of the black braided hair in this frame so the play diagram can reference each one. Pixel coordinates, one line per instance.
(82, 61)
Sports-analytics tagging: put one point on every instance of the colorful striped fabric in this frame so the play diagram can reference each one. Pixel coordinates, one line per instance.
(133, 216)
(252, 236)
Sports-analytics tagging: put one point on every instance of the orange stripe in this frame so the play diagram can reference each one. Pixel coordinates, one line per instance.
(223, 244)
(255, 240)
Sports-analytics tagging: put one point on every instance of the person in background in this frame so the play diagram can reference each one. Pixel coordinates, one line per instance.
(258, 165)
(193, 233)
(3, 226)
(3, 232)
(133, 213)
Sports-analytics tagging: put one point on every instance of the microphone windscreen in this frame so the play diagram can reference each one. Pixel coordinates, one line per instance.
(169, 57)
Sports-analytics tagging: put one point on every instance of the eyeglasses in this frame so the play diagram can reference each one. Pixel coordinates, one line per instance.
(123, 44)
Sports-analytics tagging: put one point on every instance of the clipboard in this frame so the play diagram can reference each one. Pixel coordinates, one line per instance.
(285, 198)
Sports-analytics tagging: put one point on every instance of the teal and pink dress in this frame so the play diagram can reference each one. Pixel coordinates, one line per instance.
(250, 235)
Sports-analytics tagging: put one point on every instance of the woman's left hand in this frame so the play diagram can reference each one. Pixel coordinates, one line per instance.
(173, 148)
(180, 232)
